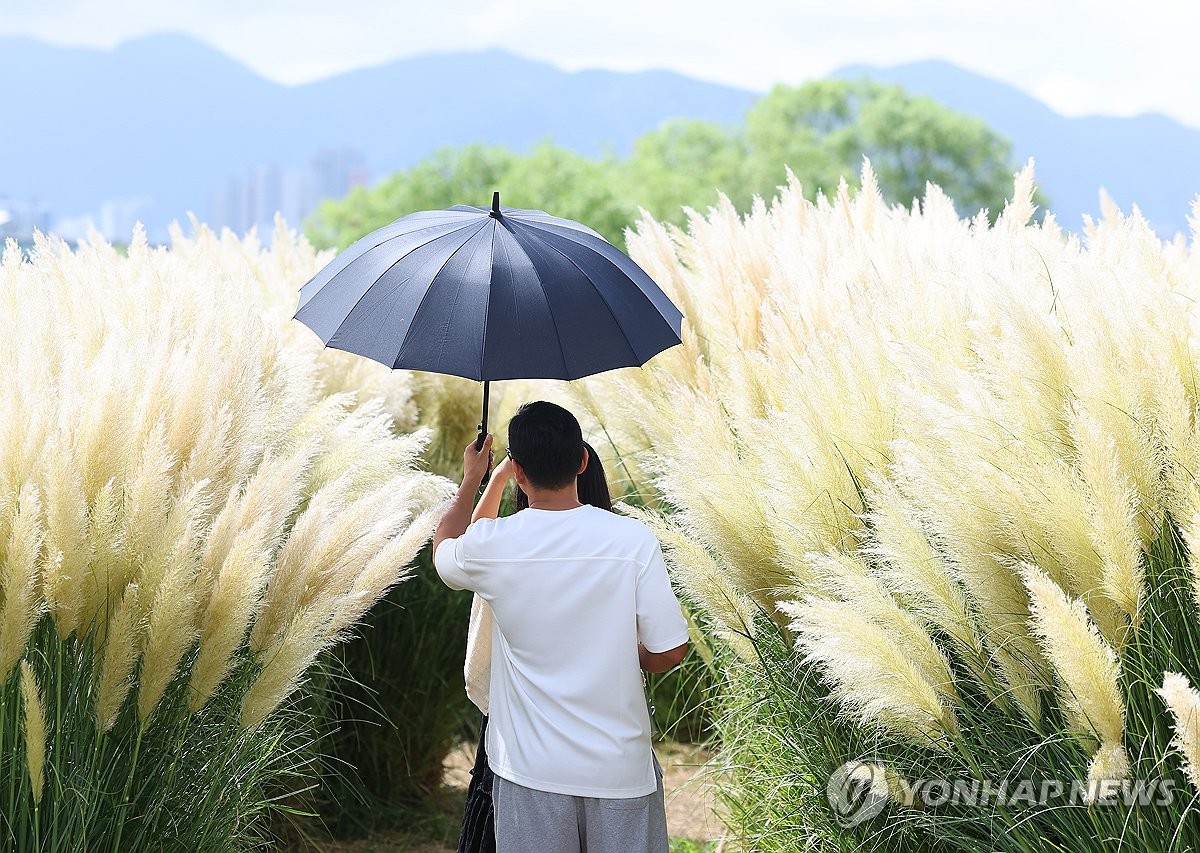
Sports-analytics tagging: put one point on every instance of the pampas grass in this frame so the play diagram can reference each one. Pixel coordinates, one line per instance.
(122, 640)
(988, 436)
(875, 679)
(19, 577)
(1184, 703)
(196, 501)
(1086, 667)
(33, 727)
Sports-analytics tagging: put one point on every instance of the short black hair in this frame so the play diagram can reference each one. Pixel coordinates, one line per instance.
(592, 484)
(546, 441)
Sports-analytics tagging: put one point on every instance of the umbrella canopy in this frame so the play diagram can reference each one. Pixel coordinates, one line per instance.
(490, 294)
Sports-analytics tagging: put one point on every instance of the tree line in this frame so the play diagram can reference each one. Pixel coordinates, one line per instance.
(821, 130)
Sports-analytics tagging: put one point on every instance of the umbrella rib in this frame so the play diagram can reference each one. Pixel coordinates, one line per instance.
(487, 303)
(429, 289)
(562, 353)
(540, 217)
(537, 226)
(586, 278)
(363, 253)
(392, 266)
(419, 225)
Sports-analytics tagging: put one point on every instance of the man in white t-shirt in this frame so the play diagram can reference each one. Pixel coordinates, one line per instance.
(582, 604)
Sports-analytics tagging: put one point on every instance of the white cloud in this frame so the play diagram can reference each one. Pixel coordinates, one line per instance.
(1081, 56)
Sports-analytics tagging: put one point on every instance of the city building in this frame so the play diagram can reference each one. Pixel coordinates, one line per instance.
(252, 201)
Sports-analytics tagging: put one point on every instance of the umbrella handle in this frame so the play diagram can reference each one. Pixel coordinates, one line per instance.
(483, 430)
(483, 423)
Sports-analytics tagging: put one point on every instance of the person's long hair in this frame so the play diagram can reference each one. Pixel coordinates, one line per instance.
(592, 485)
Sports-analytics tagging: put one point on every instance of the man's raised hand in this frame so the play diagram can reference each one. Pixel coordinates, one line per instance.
(476, 463)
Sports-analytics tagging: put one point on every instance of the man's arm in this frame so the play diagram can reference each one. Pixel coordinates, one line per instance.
(660, 620)
(661, 661)
(475, 465)
(489, 501)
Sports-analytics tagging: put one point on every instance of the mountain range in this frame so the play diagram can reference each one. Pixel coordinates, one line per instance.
(168, 119)
(1149, 160)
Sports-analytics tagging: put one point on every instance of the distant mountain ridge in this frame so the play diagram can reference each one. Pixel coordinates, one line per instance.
(1149, 160)
(169, 119)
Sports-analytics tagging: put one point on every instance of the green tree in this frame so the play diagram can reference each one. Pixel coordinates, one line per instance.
(448, 176)
(823, 130)
(547, 178)
(686, 163)
(570, 185)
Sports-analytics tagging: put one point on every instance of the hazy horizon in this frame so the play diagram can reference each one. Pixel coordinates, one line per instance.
(1072, 55)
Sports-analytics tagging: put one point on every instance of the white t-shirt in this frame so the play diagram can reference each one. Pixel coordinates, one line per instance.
(572, 592)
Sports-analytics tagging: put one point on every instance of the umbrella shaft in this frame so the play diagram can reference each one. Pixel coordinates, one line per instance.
(483, 423)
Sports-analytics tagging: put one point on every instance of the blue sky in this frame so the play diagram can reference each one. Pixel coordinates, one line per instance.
(1098, 56)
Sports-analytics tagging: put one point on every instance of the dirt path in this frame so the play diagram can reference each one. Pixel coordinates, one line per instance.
(686, 780)
(690, 792)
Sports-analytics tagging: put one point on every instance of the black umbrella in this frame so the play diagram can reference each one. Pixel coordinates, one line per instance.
(490, 294)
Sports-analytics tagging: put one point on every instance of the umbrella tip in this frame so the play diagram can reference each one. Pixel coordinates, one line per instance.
(496, 204)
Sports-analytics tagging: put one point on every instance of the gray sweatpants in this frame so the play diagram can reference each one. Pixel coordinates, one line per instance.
(530, 821)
